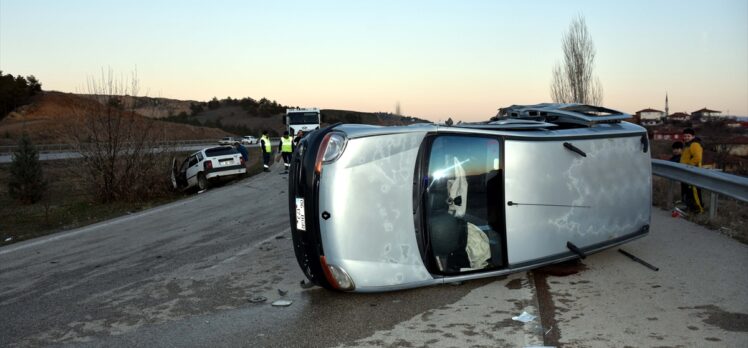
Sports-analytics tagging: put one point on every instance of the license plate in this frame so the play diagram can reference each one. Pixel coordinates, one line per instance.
(227, 162)
(300, 217)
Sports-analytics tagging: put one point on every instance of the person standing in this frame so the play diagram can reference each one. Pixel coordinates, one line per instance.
(285, 147)
(297, 139)
(692, 155)
(677, 149)
(243, 151)
(266, 149)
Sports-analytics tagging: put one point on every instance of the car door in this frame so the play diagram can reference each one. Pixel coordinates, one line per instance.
(178, 174)
(193, 168)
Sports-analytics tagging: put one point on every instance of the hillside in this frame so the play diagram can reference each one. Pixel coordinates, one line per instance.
(249, 117)
(48, 117)
(50, 114)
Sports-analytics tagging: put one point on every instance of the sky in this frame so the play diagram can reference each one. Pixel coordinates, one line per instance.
(437, 59)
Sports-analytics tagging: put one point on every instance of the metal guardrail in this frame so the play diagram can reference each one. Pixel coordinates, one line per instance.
(716, 182)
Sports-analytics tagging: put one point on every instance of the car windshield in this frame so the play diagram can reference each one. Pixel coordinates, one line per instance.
(303, 118)
(220, 151)
(463, 202)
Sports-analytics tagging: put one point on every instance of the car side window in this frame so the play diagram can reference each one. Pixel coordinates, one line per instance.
(193, 160)
(463, 202)
(199, 156)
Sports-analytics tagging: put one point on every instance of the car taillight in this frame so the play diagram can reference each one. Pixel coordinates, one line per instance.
(208, 165)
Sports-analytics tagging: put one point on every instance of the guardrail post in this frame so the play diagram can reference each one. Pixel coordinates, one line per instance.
(712, 205)
(670, 189)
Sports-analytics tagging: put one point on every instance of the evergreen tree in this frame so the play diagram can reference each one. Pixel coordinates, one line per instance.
(26, 182)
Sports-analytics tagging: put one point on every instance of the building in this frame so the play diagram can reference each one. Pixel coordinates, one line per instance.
(649, 117)
(679, 117)
(704, 115)
(668, 133)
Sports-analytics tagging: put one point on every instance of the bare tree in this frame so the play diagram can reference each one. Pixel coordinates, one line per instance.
(122, 155)
(573, 81)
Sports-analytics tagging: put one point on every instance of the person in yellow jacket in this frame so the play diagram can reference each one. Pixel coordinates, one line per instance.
(266, 149)
(692, 155)
(285, 147)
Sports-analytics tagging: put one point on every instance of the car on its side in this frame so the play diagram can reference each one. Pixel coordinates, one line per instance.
(228, 141)
(387, 208)
(199, 169)
(249, 140)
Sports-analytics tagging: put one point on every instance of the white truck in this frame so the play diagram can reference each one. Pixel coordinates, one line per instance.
(305, 120)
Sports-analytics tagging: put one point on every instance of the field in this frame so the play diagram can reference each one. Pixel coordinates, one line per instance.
(70, 204)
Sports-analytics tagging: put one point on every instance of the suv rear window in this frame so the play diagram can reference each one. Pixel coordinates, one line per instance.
(220, 151)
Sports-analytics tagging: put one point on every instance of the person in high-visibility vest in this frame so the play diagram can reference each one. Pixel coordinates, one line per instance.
(266, 149)
(692, 155)
(285, 147)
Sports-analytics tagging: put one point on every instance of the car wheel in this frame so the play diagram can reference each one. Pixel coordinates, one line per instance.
(202, 182)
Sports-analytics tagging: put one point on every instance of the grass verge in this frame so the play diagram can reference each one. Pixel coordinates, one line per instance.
(69, 203)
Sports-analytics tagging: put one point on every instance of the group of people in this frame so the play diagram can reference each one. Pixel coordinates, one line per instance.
(286, 146)
(689, 152)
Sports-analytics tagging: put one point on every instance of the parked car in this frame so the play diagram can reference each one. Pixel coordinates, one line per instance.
(207, 165)
(249, 140)
(227, 141)
(387, 208)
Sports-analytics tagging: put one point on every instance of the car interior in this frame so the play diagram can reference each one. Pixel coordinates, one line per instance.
(463, 203)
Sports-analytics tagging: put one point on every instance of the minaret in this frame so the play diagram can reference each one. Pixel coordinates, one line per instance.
(666, 107)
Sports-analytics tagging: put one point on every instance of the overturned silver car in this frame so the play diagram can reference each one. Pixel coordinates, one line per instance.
(386, 208)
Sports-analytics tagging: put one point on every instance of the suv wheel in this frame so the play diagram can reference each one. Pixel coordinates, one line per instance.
(202, 182)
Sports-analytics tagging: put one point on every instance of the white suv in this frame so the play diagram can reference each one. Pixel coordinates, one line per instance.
(227, 141)
(201, 167)
(249, 140)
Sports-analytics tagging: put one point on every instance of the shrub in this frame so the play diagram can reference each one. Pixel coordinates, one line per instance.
(26, 183)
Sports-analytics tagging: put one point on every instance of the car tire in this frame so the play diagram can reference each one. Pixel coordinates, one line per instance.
(202, 182)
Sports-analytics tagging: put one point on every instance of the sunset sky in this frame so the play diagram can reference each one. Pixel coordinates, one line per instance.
(438, 59)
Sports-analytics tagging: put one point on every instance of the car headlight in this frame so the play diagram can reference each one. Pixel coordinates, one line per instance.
(334, 148)
(336, 276)
(330, 149)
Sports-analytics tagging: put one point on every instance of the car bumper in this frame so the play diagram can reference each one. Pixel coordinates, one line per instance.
(225, 171)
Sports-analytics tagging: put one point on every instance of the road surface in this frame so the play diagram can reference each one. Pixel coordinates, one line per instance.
(184, 274)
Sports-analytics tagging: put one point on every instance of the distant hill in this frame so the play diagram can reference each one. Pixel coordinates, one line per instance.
(249, 117)
(46, 116)
(49, 114)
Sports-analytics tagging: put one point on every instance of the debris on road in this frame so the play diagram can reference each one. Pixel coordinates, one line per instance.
(645, 263)
(282, 292)
(8, 239)
(282, 303)
(524, 317)
(258, 299)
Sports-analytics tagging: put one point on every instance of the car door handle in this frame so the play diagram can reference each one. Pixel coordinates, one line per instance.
(571, 147)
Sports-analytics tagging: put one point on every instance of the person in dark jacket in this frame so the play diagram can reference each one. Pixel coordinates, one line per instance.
(297, 139)
(677, 149)
(243, 151)
(692, 155)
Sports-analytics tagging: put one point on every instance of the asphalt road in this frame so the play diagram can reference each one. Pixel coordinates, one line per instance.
(183, 274)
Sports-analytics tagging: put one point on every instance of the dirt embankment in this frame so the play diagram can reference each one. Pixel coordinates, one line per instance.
(48, 118)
